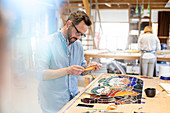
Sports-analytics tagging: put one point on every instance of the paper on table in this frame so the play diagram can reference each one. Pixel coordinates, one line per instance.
(166, 87)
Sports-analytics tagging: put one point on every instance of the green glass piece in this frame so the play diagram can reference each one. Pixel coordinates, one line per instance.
(104, 83)
(102, 87)
(101, 80)
(94, 91)
(148, 12)
(142, 10)
(136, 10)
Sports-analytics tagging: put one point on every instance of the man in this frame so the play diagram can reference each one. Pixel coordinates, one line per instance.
(60, 61)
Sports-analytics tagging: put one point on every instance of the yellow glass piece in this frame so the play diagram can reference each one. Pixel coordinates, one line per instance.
(133, 51)
(124, 93)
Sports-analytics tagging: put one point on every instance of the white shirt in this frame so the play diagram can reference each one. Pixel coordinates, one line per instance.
(149, 42)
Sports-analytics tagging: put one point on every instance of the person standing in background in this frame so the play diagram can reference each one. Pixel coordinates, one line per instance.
(148, 44)
(59, 62)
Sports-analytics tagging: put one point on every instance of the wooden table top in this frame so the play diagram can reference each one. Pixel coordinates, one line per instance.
(159, 104)
(129, 56)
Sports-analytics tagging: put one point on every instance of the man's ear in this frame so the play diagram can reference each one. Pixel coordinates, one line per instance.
(68, 24)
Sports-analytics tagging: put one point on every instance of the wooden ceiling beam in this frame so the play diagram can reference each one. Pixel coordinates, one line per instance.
(132, 1)
(160, 8)
(124, 6)
(157, 5)
(112, 7)
(123, 1)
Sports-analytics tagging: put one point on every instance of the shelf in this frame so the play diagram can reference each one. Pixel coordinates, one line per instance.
(163, 37)
(145, 17)
(137, 23)
(139, 17)
(134, 17)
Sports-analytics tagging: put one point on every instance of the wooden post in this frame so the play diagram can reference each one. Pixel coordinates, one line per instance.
(87, 8)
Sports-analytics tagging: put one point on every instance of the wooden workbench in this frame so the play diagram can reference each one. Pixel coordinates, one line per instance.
(159, 104)
(129, 56)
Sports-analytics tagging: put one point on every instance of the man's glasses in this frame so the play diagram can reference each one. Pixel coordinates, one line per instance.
(78, 33)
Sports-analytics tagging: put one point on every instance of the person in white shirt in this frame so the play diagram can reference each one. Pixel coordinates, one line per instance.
(148, 44)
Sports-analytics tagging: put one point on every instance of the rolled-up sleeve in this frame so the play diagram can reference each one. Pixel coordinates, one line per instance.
(42, 58)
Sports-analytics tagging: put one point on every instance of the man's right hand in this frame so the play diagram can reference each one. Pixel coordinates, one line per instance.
(75, 70)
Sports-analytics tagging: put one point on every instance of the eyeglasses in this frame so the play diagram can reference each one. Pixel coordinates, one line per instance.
(78, 33)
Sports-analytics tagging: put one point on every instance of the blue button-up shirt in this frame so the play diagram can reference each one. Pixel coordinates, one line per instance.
(53, 53)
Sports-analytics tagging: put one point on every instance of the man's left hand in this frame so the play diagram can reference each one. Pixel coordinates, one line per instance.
(97, 67)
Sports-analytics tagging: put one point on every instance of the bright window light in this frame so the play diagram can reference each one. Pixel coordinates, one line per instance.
(114, 37)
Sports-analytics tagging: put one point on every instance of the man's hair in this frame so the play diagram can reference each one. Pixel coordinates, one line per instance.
(78, 16)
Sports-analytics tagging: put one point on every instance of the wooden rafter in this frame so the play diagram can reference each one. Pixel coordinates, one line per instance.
(124, 4)
(122, 1)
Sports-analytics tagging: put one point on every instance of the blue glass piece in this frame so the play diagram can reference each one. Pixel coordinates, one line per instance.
(99, 85)
(165, 78)
(143, 102)
(120, 76)
(134, 79)
(130, 78)
(133, 83)
(117, 103)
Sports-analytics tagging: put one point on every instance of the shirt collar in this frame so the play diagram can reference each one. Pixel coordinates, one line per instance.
(61, 36)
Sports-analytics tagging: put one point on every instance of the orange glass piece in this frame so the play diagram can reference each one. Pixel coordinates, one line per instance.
(90, 68)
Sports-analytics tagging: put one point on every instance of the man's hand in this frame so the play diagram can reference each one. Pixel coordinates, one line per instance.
(75, 70)
(97, 67)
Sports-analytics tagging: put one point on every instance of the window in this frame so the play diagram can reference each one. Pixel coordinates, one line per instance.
(114, 36)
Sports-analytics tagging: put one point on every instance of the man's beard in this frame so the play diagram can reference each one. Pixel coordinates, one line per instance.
(69, 37)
